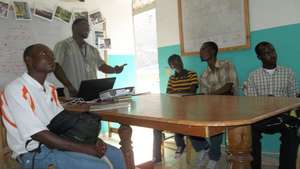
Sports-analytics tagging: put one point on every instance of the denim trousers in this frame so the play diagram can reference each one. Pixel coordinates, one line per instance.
(72, 160)
(213, 143)
(198, 143)
(288, 147)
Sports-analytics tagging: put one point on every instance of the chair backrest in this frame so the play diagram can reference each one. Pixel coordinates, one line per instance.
(5, 153)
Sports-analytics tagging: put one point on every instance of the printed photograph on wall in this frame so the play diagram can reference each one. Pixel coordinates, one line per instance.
(99, 42)
(63, 14)
(4, 7)
(107, 43)
(96, 17)
(22, 10)
(83, 14)
(44, 11)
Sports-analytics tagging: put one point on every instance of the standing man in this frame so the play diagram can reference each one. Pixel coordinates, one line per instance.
(219, 78)
(28, 105)
(76, 60)
(277, 81)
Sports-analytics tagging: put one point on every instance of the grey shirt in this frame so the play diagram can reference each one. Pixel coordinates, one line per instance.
(78, 64)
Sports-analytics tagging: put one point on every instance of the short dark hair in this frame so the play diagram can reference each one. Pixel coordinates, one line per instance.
(28, 51)
(77, 21)
(173, 57)
(211, 45)
(260, 46)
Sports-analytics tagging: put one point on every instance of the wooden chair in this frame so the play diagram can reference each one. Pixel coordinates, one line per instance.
(164, 145)
(111, 129)
(5, 153)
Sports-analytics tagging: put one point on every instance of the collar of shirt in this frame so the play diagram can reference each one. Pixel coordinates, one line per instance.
(34, 82)
(270, 71)
(184, 72)
(218, 64)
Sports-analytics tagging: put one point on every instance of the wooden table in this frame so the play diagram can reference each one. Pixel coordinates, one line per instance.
(199, 116)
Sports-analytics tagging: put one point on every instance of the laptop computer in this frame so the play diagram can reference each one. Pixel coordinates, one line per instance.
(90, 89)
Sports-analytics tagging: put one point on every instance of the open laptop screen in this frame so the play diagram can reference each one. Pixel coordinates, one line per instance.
(90, 89)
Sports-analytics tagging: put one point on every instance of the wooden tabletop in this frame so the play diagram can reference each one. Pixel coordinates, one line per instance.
(201, 110)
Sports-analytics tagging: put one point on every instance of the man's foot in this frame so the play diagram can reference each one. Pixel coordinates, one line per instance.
(212, 164)
(179, 152)
(202, 157)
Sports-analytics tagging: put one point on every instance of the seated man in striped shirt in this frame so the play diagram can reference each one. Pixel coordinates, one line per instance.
(181, 82)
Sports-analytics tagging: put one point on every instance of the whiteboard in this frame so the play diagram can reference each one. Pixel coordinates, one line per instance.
(16, 35)
(225, 22)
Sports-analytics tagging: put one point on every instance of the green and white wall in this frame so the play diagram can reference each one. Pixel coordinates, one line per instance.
(275, 21)
(119, 26)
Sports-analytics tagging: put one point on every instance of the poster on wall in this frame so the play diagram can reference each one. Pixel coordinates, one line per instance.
(21, 10)
(107, 43)
(4, 6)
(44, 11)
(63, 14)
(99, 42)
(96, 17)
(83, 14)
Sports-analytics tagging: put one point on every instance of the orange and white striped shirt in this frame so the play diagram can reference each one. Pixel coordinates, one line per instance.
(27, 108)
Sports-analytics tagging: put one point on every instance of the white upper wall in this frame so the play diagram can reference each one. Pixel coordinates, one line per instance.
(119, 20)
(263, 14)
(118, 15)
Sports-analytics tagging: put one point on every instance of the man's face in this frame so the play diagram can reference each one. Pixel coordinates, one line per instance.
(268, 55)
(42, 59)
(82, 29)
(176, 65)
(205, 54)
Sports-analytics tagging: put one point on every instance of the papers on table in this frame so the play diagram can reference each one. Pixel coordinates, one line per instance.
(110, 106)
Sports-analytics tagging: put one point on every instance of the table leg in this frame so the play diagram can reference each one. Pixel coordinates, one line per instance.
(239, 139)
(125, 133)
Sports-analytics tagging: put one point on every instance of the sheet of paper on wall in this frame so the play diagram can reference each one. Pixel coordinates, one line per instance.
(96, 17)
(4, 8)
(63, 14)
(80, 13)
(22, 10)
(98, 36)
(44, 10)
(107, 43)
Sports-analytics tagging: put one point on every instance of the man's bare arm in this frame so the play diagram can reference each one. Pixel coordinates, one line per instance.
(61, 76)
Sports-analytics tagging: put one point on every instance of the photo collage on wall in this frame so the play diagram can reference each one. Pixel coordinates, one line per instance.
(46, 10)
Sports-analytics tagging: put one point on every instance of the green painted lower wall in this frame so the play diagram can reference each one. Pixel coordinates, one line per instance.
(286, 42)
(124, 79)
(127, 77)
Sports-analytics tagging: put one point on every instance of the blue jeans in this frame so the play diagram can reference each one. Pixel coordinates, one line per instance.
(72, 160)
(214, 145)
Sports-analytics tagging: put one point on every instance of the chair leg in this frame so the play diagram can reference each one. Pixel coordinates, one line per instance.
(188, 150)
(162, 146)
(109, 129)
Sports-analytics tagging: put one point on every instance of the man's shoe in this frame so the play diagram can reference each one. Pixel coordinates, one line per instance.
(202, 157)
(212, 164)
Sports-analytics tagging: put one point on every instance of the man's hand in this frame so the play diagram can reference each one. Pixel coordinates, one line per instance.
(101, 147)
(119, 69)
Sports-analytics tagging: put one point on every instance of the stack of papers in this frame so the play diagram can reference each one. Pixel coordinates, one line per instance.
(110, 106)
